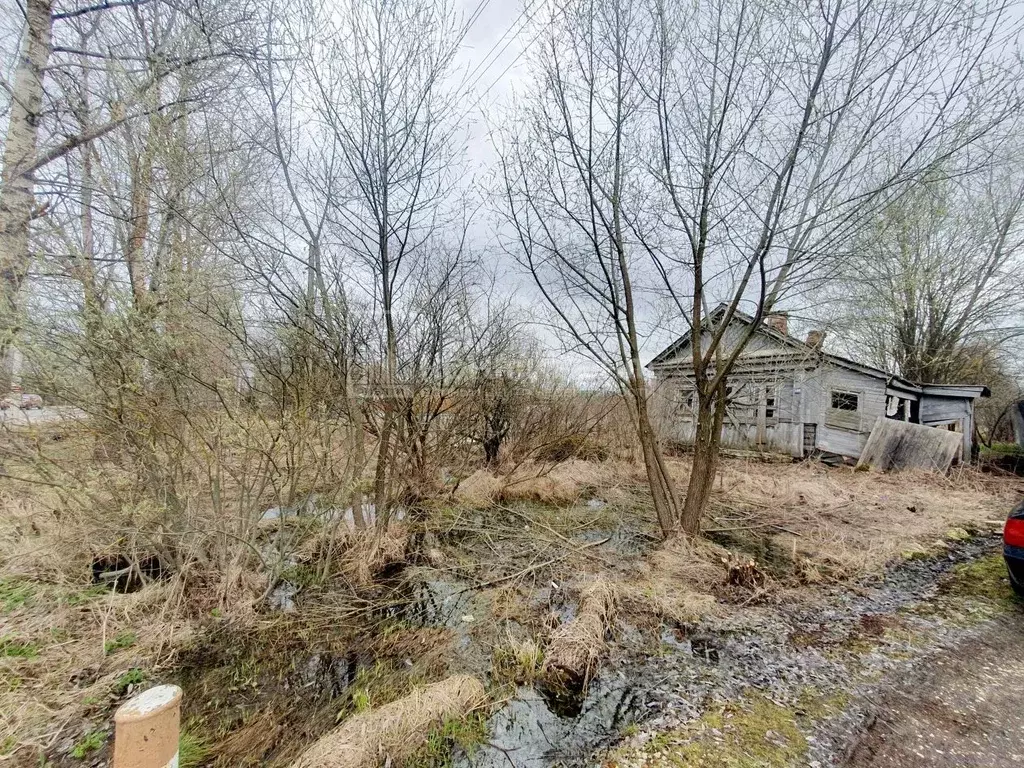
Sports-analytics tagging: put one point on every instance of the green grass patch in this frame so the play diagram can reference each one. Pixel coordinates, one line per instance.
(132, 677)
(517, 662)
(15, 593)
(93, 741)
(83, 596)
(301, 576)
(378, 685)
(193, 748)
(463, 733)
(984, 579)
(16, 649)
(1002, 449)
(122, 641)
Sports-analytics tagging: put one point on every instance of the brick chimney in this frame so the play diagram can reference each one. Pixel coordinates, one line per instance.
(778, 321)
(815, 339)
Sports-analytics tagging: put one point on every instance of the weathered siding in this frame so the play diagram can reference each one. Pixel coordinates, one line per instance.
(936, 409)
(759, 345)
(803, 384)
(748, 425)
(941, 411)
(847, 434)
(900, 445)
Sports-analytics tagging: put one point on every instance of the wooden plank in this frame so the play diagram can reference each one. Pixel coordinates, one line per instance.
(900, 445)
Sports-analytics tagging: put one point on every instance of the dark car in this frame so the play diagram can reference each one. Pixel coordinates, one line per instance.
(1013, 548)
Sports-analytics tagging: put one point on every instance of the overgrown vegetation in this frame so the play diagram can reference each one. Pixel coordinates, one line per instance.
(487, 579)
(309, 452)
(93, 741)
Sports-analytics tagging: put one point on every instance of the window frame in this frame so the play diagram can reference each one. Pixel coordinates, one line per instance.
(770, 402)
(843, 418)
(844, 393)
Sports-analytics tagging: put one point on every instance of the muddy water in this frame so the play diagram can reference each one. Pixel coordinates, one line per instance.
(528, 733)
(695, 665)
(537, 727)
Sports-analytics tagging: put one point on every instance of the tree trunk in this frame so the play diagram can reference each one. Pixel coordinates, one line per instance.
(706, 450)
(16, 194)
(663, 492)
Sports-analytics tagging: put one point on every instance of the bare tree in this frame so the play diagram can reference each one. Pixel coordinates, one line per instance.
(17, 200)
(51, 46)
(773, 132)
(382, 82)
(781, 139)
(576, 192)
(936, 285)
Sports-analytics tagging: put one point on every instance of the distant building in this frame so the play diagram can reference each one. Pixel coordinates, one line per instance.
(791, 396)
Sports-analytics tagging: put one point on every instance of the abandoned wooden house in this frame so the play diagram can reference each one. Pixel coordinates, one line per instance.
(790, 396)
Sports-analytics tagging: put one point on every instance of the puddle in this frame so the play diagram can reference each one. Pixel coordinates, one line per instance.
(421, 601)
(539, 727)
(526, 733)
(282, 597)
(623, 542)
(705, 649)
(311, 507)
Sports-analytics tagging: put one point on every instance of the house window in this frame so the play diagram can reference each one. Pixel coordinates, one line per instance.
(741, 404)
(686, 402)
(769, 403)
(845, 401)
(844, 410)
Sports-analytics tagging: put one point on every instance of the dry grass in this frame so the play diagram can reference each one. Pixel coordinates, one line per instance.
(394, 731)
(826, 524)
(84, 648)
(847, 523)
(676, 582)
(558, 484)
(370, 552)
(576, 646)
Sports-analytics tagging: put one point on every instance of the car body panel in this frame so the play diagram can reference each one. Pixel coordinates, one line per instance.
(1014, 555)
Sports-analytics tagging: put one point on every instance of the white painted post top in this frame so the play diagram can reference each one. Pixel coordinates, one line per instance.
(146, 729)
(148, 703)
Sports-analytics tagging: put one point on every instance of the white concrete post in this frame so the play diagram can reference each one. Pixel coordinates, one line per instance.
(146, 729)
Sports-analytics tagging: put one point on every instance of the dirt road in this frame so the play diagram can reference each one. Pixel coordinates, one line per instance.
(966, 710)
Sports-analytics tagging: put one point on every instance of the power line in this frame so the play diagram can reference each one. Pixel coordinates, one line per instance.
(507, 68)
(480, 8)
(484, 65)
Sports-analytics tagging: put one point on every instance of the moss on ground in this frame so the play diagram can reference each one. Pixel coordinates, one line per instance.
(982, 579)
(813, 705)
(754, 733)
(971, 593)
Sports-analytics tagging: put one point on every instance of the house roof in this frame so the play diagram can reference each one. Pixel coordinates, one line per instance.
(936, 390)
(956, 390)
(716, 314)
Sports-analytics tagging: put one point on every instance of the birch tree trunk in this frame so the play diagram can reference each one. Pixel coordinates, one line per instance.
(16, 193)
